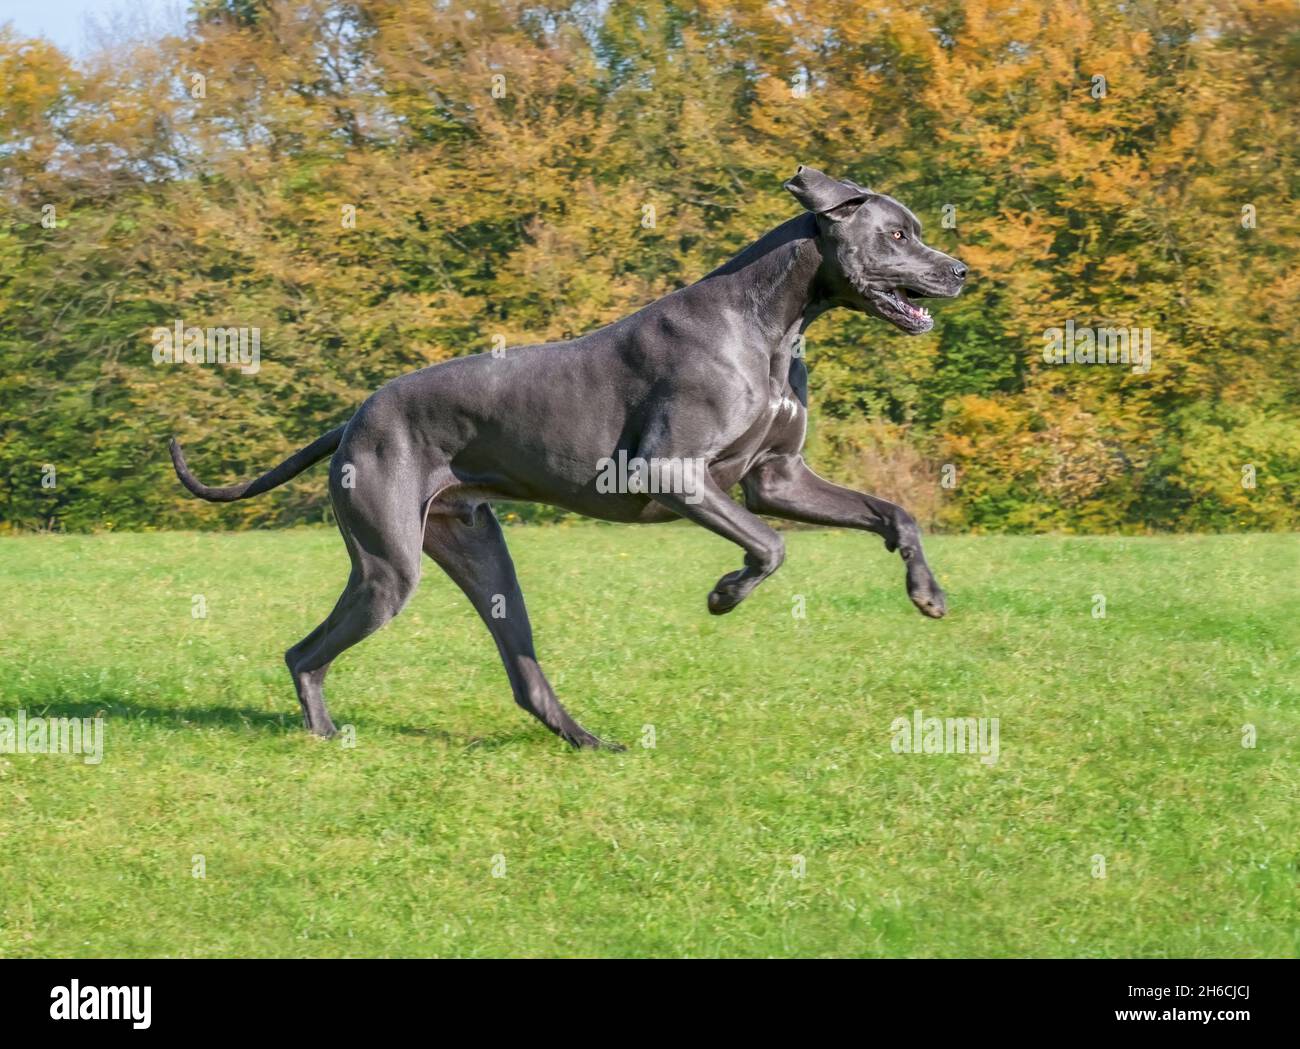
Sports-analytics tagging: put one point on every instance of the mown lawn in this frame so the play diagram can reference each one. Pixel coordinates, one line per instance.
(1120, 737)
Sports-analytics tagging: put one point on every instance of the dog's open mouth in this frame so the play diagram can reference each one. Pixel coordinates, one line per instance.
(895, 305)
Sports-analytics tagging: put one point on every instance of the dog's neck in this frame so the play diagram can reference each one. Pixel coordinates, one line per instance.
(774, 284)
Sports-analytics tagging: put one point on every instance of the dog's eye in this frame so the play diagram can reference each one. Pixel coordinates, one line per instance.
(897, 234)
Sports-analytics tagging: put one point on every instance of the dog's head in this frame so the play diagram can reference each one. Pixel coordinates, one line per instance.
(874, 259)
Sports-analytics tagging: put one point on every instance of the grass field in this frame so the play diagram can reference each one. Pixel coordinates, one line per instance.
(1120, 737)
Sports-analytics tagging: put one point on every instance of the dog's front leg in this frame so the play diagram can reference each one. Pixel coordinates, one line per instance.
(710, 506)
(783, 486)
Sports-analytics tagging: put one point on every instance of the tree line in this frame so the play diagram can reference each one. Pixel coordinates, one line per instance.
(371, 186)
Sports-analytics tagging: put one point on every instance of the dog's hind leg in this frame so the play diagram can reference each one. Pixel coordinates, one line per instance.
(471, 548)
(310, 685)
(382, 533)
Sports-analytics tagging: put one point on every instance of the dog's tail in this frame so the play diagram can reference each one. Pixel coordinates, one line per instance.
(291, 467)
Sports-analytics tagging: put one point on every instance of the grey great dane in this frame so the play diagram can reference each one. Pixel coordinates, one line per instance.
(709, 374)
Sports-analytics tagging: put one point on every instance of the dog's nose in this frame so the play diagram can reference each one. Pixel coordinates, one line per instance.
(959, 271)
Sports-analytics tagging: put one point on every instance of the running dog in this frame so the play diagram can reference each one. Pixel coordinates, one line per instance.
(708, 374)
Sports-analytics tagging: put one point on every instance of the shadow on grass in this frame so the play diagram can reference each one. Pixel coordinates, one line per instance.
(278, 723)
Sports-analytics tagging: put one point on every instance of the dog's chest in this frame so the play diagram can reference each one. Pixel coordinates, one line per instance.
(787, 421)
(784, 407)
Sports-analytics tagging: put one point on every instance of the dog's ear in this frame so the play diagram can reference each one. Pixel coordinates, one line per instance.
(823, 195)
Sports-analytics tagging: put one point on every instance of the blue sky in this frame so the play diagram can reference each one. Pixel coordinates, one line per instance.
(69, 23)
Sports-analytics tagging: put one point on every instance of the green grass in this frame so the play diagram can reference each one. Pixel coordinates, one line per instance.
(1120, 737)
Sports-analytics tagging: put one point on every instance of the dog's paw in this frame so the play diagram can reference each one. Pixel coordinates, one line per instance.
(729, 591)
(580, 739)
(933, 605)
(926, 594)
(721, 603)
